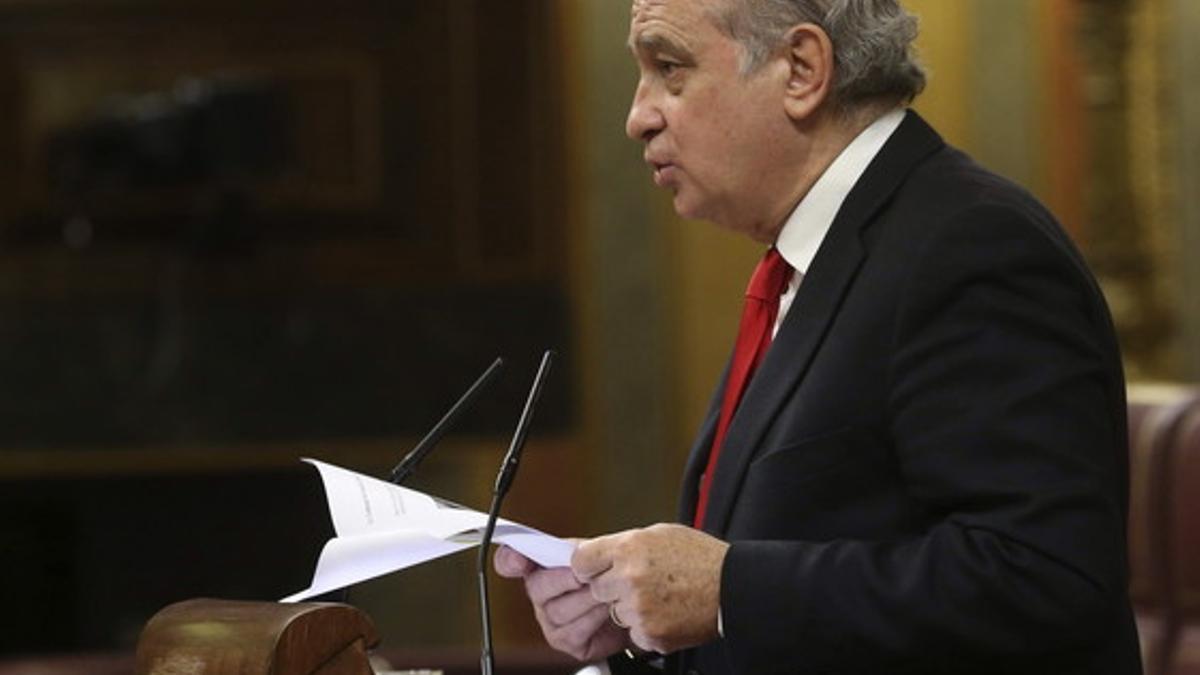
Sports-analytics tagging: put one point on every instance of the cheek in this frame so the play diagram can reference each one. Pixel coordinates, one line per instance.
(710, 138)
(717, 119)
(722, 166)
(741, 138)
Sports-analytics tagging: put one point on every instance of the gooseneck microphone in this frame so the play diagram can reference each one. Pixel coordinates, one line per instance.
(409, 464)
(504, 479)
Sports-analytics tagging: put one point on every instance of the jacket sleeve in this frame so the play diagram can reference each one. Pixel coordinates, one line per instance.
(1003, 414)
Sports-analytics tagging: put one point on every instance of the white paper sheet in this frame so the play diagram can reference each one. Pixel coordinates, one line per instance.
(382, 528)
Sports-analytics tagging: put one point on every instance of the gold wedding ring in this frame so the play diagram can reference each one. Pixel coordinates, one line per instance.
(612, 614)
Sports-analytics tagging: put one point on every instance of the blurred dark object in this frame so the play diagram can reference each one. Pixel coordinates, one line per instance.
(90, 559)
(202, 130)
(215, 138)
(181, 368)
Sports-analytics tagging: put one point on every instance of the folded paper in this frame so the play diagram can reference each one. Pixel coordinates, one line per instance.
(382, 528)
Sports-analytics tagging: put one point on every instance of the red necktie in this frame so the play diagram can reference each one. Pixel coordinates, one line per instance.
(754, 337)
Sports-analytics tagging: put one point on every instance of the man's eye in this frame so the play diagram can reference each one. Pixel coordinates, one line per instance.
(667, 67)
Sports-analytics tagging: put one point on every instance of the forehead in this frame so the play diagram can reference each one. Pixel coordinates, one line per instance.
(674, 20)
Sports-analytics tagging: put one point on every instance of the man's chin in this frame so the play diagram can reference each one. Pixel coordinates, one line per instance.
(685, 208)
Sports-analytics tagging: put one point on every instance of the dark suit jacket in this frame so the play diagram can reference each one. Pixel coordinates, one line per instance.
(928, 472)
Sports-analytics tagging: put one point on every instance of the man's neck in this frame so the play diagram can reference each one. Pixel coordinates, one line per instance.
(828, 136)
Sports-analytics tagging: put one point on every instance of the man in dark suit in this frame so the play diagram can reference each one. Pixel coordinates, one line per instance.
(916, 460)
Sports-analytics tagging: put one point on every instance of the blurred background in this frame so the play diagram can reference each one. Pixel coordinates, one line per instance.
(237, 233)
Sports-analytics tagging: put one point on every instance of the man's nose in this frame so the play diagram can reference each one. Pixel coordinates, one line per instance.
(645, 119)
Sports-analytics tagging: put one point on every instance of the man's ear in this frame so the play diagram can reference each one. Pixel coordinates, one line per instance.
(810, 80)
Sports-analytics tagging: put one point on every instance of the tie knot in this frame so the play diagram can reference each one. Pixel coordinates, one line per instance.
(770, 277)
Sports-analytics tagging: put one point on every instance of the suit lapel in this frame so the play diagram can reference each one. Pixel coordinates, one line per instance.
(816, 303)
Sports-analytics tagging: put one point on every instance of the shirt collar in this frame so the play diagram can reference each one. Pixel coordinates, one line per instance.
(805, 229)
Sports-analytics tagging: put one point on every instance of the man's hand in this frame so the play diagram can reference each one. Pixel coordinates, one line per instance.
(663, 581)
(571, 619)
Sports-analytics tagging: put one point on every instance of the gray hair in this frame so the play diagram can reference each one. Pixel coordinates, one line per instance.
(872, 43)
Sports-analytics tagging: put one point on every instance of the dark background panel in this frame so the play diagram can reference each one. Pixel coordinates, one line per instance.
(229, 229)
(312, 366)
(88, 561)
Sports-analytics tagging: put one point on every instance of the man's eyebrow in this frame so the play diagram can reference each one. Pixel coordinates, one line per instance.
(656, 43)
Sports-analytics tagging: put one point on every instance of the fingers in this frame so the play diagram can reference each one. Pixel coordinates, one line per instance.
(589, 637)
(602, 563)
(663, 581)
(543, 584)
(571, 619)
(608, 587)
(568, 607)
(509, 563)
(575, 616)
(593, 557)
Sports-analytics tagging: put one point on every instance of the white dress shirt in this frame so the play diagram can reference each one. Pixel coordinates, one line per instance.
(806, 228)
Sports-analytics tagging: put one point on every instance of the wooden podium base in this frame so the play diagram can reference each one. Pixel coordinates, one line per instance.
(226, 637)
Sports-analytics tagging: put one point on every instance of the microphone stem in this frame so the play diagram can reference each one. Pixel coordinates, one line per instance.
(508, 471)
(486, 660)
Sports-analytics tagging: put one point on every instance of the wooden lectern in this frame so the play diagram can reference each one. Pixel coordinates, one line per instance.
(225, 637)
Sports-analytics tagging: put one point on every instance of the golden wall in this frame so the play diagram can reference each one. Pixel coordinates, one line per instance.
(1016, 83)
